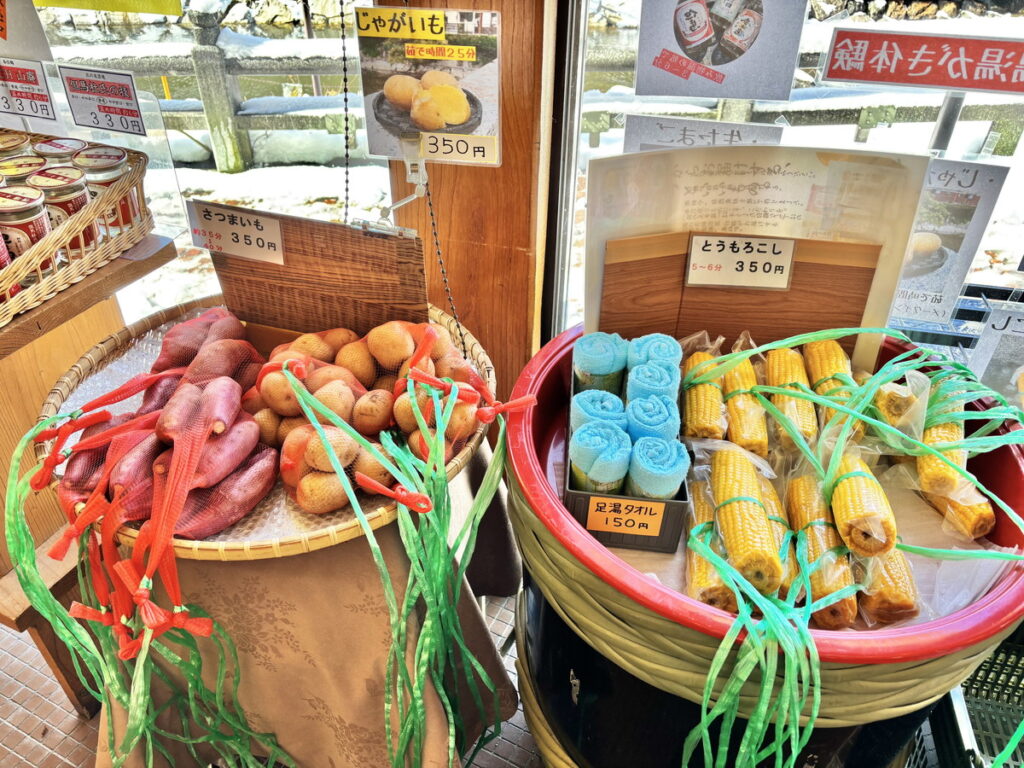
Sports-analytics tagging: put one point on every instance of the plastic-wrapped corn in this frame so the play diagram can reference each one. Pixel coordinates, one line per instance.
(970, 515)
(831, 375)
(702, 580)
(935, 475)
(703, 411)
(890, 594)
(862, 513)
(810, 518)
(780, 528)
(742, 520)
(893, 401)
(747, 423)
(785, 368)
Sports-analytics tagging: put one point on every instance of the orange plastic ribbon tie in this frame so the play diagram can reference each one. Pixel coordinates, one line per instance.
(430, 337)
(88, 613)
(298, 368)
(422, 377)
(194, 625)
(42, 478)
(146, 421)
(131, 387)
(477, 383)
(489, 413)
(417, 502)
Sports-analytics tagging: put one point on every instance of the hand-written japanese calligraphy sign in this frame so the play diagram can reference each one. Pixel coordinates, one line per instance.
(740, 261)
(236, 231)
(926, 61)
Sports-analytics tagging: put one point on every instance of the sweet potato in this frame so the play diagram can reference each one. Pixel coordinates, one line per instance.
(234, 358)
(344, 447)
(356, 357)
(137, 502)
(223, 453)
(253, 402)
(372, 412)
(321, 492)
(220, 403)
(229, 327)
(182, 342)
(84, 468)
(180, 411)
(136, 464)
(158, 394)
(293, 455)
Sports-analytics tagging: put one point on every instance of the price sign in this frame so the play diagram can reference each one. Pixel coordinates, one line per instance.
(23, 89)
(456, 148)
(103, 99)
(236, 231)
(613, 515)
(740, 261)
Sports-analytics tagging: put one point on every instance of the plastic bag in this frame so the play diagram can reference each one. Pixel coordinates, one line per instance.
(747, 423)
(704, 412)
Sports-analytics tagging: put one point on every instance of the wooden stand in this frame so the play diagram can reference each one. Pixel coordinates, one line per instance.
(36, 348)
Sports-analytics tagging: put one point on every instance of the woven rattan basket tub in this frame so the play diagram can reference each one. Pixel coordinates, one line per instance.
(66, 272)
(668, 640)
(319, 534)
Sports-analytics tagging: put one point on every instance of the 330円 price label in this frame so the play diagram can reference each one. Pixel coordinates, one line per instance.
(235, 231)
(103, 99)
(611, 515)
(460, 148)
(740, 261)
(24, 91)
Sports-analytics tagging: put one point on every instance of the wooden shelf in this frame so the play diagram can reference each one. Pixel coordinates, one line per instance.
(150, 254)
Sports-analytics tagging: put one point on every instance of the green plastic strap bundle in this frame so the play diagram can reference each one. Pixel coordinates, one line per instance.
(208, 718)
(438, 655)
(783, 627)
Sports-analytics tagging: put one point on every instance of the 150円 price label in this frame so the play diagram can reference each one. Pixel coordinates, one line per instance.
(236, 231)
(103, 99)
(611, 515)
(460, 148)
(740, 261)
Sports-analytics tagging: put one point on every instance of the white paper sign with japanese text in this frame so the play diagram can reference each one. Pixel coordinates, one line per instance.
(103, 99)
(235, 231)
(647, 132)
(23, 89)
(740, 261)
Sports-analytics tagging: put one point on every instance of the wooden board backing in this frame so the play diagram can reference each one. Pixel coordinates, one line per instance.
(333, 277)
(644, 291)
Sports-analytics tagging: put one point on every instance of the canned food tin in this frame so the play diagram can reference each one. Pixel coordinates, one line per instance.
(5, 261)
(23, 219)
(12, 144)
(14, 170)
(66, 194)
(103, 166)
(58, 151)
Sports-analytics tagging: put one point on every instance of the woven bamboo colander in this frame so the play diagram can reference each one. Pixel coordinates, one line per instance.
(69, 271)
(669, 641)
(314, 532)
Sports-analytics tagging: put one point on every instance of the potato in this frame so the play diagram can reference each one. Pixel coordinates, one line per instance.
(400, 90)
(288, 354)
(372, 412)
(293, 455)
(443, 346)
(312, 345)
(338, 397)
(277, 393)
(453, 366)
(321, 492)
(426, 365)
(345, 448)
(434, 77)
(328, 373)
(419, 446)
(440, 106)
(463, 422)
(253, 402)
(337, 338)
(288, 425)
(387, 381)
(427, 115)
(391, 344)
(357, 358)
(404, 416)
(367, 464)
(268, 422)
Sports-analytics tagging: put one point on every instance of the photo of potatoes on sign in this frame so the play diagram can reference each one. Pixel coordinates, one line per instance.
(438, 88)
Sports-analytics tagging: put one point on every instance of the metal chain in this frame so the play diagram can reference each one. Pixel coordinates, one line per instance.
(444, 272)
(344, 75)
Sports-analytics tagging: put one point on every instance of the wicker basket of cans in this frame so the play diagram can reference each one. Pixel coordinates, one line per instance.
(67, 207)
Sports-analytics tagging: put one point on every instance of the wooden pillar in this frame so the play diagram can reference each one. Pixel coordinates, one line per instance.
(492, 221)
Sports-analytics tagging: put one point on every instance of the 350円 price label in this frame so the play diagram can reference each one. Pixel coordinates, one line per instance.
(611, 515)
(740, 261)
(103, 99)
(235, 231)
(460, 148)
(24, 91)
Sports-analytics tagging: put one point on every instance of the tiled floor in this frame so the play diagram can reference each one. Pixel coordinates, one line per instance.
(39, 729)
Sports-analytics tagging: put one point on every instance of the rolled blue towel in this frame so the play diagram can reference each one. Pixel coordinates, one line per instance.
(599, 457)
(654, 416)
(653, 378)
(654, 346)
(598, 362)
(657, 468)
(596, 405)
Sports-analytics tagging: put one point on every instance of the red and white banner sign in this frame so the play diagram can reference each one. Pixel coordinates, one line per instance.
(926, 61)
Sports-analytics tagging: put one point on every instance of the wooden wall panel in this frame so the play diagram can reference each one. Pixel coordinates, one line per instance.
(492, 220)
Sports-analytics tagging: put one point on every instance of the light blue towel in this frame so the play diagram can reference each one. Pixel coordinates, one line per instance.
(653, 378)
(599, 354)
(657, 468)
(654, 346)
(596, 405)
(655, 416)
(600, 451)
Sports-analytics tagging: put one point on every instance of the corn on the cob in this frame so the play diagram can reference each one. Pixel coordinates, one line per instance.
(933, 473)
(971, 517)
(702, 580)
(891, 594)
(785, 367)
(703, 415)
(893, 401)
(862, 512)
(747, 424)
(742, 524)
(810, 518)
(830, 374)
(780, 527)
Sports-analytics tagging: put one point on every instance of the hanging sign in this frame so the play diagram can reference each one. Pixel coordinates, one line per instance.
(740, 261)
(164, 7)
(104, 99)
(24, 91)
(741, 49)
(954, 211)
(647, 132)
(235, 231)
(433, 76)
(950, 62)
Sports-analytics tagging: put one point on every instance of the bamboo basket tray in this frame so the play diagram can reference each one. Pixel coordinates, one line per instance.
(67, 272)
(275, 528)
